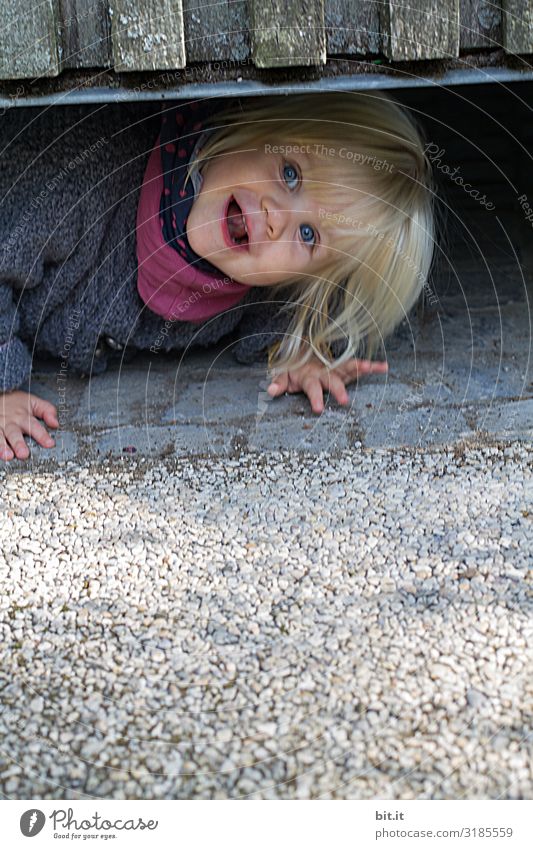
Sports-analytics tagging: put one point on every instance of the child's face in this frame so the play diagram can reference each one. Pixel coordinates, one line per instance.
(284, 232)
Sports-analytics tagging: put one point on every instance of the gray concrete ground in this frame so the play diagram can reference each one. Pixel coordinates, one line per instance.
(460, 387)
(208, 594)
(464, 373)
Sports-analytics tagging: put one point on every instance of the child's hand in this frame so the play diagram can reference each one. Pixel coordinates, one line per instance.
(314, 377)
(18, 415)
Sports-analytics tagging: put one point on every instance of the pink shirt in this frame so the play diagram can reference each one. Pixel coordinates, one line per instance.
(166, 282)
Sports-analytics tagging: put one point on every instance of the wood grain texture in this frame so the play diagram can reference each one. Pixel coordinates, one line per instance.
(420, 29)
(481, 24)
(517, 26)
(28, 39)
(287, 34)
(147, 35)
(216, 30)
(85, 34)
(352, 27)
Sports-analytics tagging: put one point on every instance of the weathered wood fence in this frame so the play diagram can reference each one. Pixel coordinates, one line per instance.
(46, 37)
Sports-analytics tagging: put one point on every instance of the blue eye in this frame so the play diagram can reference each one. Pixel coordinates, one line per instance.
(290, 173)
(307, 233)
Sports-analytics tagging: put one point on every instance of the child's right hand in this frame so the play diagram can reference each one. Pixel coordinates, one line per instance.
(313, 378)
(19, 412)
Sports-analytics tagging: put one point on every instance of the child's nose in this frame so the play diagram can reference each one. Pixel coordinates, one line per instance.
(276, 217)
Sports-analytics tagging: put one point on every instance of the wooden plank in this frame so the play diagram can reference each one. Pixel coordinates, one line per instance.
(420, 29)
(481, 24)
(518, 26)
(28, 40)
(352, 27)
(85, 34)
(287, 34)
(216, 31)
(147, 35)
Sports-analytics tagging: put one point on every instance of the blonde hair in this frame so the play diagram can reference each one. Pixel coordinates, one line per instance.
(371, 170)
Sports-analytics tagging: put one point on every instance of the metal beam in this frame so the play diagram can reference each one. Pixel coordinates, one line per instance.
(249, 88)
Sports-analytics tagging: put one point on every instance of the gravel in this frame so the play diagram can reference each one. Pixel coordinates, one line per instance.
(273, 625)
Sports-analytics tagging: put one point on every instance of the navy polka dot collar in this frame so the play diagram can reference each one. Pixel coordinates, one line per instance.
(181, 127)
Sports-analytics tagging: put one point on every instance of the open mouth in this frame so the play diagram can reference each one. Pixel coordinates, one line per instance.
(236, 223)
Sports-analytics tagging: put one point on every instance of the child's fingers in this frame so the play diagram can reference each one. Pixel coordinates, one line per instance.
(5, 451)
(369, 366)
(313, 389)
(15, 438)
(279, 384)
(44, 410)
(351, 370)
(357, 368)
(334, 384)
(38, 432)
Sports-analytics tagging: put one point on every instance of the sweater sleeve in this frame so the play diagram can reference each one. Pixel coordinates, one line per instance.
(23, 256)
(24, 199)
(15, 358)
(50, 230)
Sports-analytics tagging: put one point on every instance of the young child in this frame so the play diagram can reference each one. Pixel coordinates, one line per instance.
(303, 223)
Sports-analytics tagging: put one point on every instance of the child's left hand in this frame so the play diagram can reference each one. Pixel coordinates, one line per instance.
(314, 377)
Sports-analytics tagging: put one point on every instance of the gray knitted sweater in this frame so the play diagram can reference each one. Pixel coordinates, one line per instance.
(70, 180)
